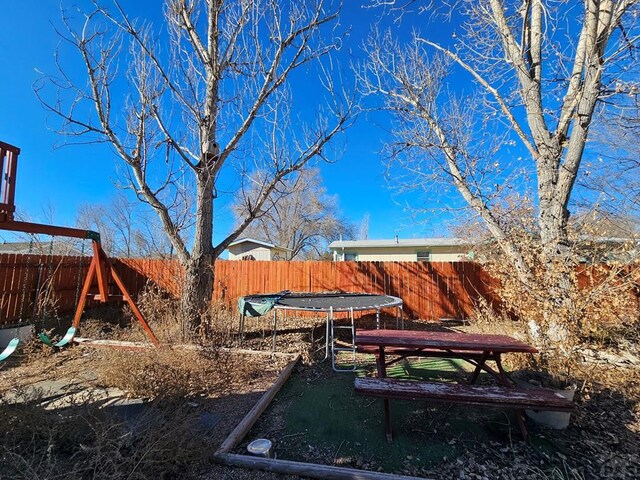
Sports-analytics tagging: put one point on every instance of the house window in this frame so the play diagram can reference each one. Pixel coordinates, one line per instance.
(423, 256)
(351, 257)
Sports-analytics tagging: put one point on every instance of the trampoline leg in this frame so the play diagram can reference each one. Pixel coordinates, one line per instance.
(326, 337)
(241, 329)
(275, 329)
(399, 318)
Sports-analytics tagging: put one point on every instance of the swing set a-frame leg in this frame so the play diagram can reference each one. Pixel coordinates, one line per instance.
(85, 291)
(100, 267)
(132, 305)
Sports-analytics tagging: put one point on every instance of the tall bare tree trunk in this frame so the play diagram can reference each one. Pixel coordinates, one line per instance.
(196, 291)
(220, 74)
(199, 268)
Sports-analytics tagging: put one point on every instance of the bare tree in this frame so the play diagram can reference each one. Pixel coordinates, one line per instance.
(95, 217)
(149, 239)
(299, 215)
(201, 100)
(114, 221)
(364, 227)
(611, 175)
(127, 228)
(517, 118)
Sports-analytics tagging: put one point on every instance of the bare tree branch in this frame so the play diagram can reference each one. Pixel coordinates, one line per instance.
(526, 61)
(200, 93)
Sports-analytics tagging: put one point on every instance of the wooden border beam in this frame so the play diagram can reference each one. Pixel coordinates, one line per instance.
(261, 405)
(307, 470)
(115, 344)
(125, 345)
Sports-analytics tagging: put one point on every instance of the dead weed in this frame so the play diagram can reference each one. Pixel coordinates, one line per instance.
(86, 441)
(178, 373)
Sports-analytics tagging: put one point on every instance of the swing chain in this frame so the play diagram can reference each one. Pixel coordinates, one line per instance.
(48, 280)
(24, 280)
(78, 277)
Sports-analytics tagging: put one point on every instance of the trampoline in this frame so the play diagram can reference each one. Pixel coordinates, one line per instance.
(321, 302)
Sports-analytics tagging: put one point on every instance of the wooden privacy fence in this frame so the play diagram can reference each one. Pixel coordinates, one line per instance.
(33, 285)
(430, 290)
(29, 283)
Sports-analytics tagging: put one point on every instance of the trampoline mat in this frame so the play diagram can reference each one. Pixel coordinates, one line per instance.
(337, 301)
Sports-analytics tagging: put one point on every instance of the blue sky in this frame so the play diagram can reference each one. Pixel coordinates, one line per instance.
(58, 180)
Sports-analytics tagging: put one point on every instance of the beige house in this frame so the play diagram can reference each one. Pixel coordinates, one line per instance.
(252, 249)
(402, 250)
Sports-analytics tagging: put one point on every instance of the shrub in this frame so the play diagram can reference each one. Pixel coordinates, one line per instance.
(576, 298)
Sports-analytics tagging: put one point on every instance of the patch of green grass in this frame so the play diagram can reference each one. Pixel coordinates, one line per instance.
(318, 418)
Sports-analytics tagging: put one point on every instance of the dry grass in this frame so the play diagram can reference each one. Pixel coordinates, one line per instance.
(86, 441)
(179, 373)
(219, 323)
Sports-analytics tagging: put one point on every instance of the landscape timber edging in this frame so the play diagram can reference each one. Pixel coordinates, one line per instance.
(261, 405)
(308, 470)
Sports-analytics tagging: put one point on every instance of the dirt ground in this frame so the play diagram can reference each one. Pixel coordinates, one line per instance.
(602, 441)
(71, 382)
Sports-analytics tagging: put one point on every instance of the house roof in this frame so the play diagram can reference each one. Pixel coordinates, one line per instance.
(400, 242)
(258, 242)
(40, 248)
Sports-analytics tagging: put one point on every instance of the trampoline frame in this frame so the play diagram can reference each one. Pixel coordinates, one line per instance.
(396, 303)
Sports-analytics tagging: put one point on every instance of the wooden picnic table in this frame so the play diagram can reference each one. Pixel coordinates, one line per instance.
(474, 348)
(477, 349)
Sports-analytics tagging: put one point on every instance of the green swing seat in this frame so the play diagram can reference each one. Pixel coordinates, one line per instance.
(9, 349)
(65, 340)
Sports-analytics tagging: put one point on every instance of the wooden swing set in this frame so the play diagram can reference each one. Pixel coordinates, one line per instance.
(100, 270)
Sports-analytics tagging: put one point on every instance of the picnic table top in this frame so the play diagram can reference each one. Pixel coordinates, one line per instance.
(442, 341)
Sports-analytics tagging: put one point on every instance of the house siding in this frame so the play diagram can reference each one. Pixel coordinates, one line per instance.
(259, 252)
(405, 254)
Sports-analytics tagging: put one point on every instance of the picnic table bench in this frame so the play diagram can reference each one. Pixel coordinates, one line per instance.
(475, 395)
(476, 349)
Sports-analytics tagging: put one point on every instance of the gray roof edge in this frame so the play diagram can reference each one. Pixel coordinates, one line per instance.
(410, 242)
(259, 242)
